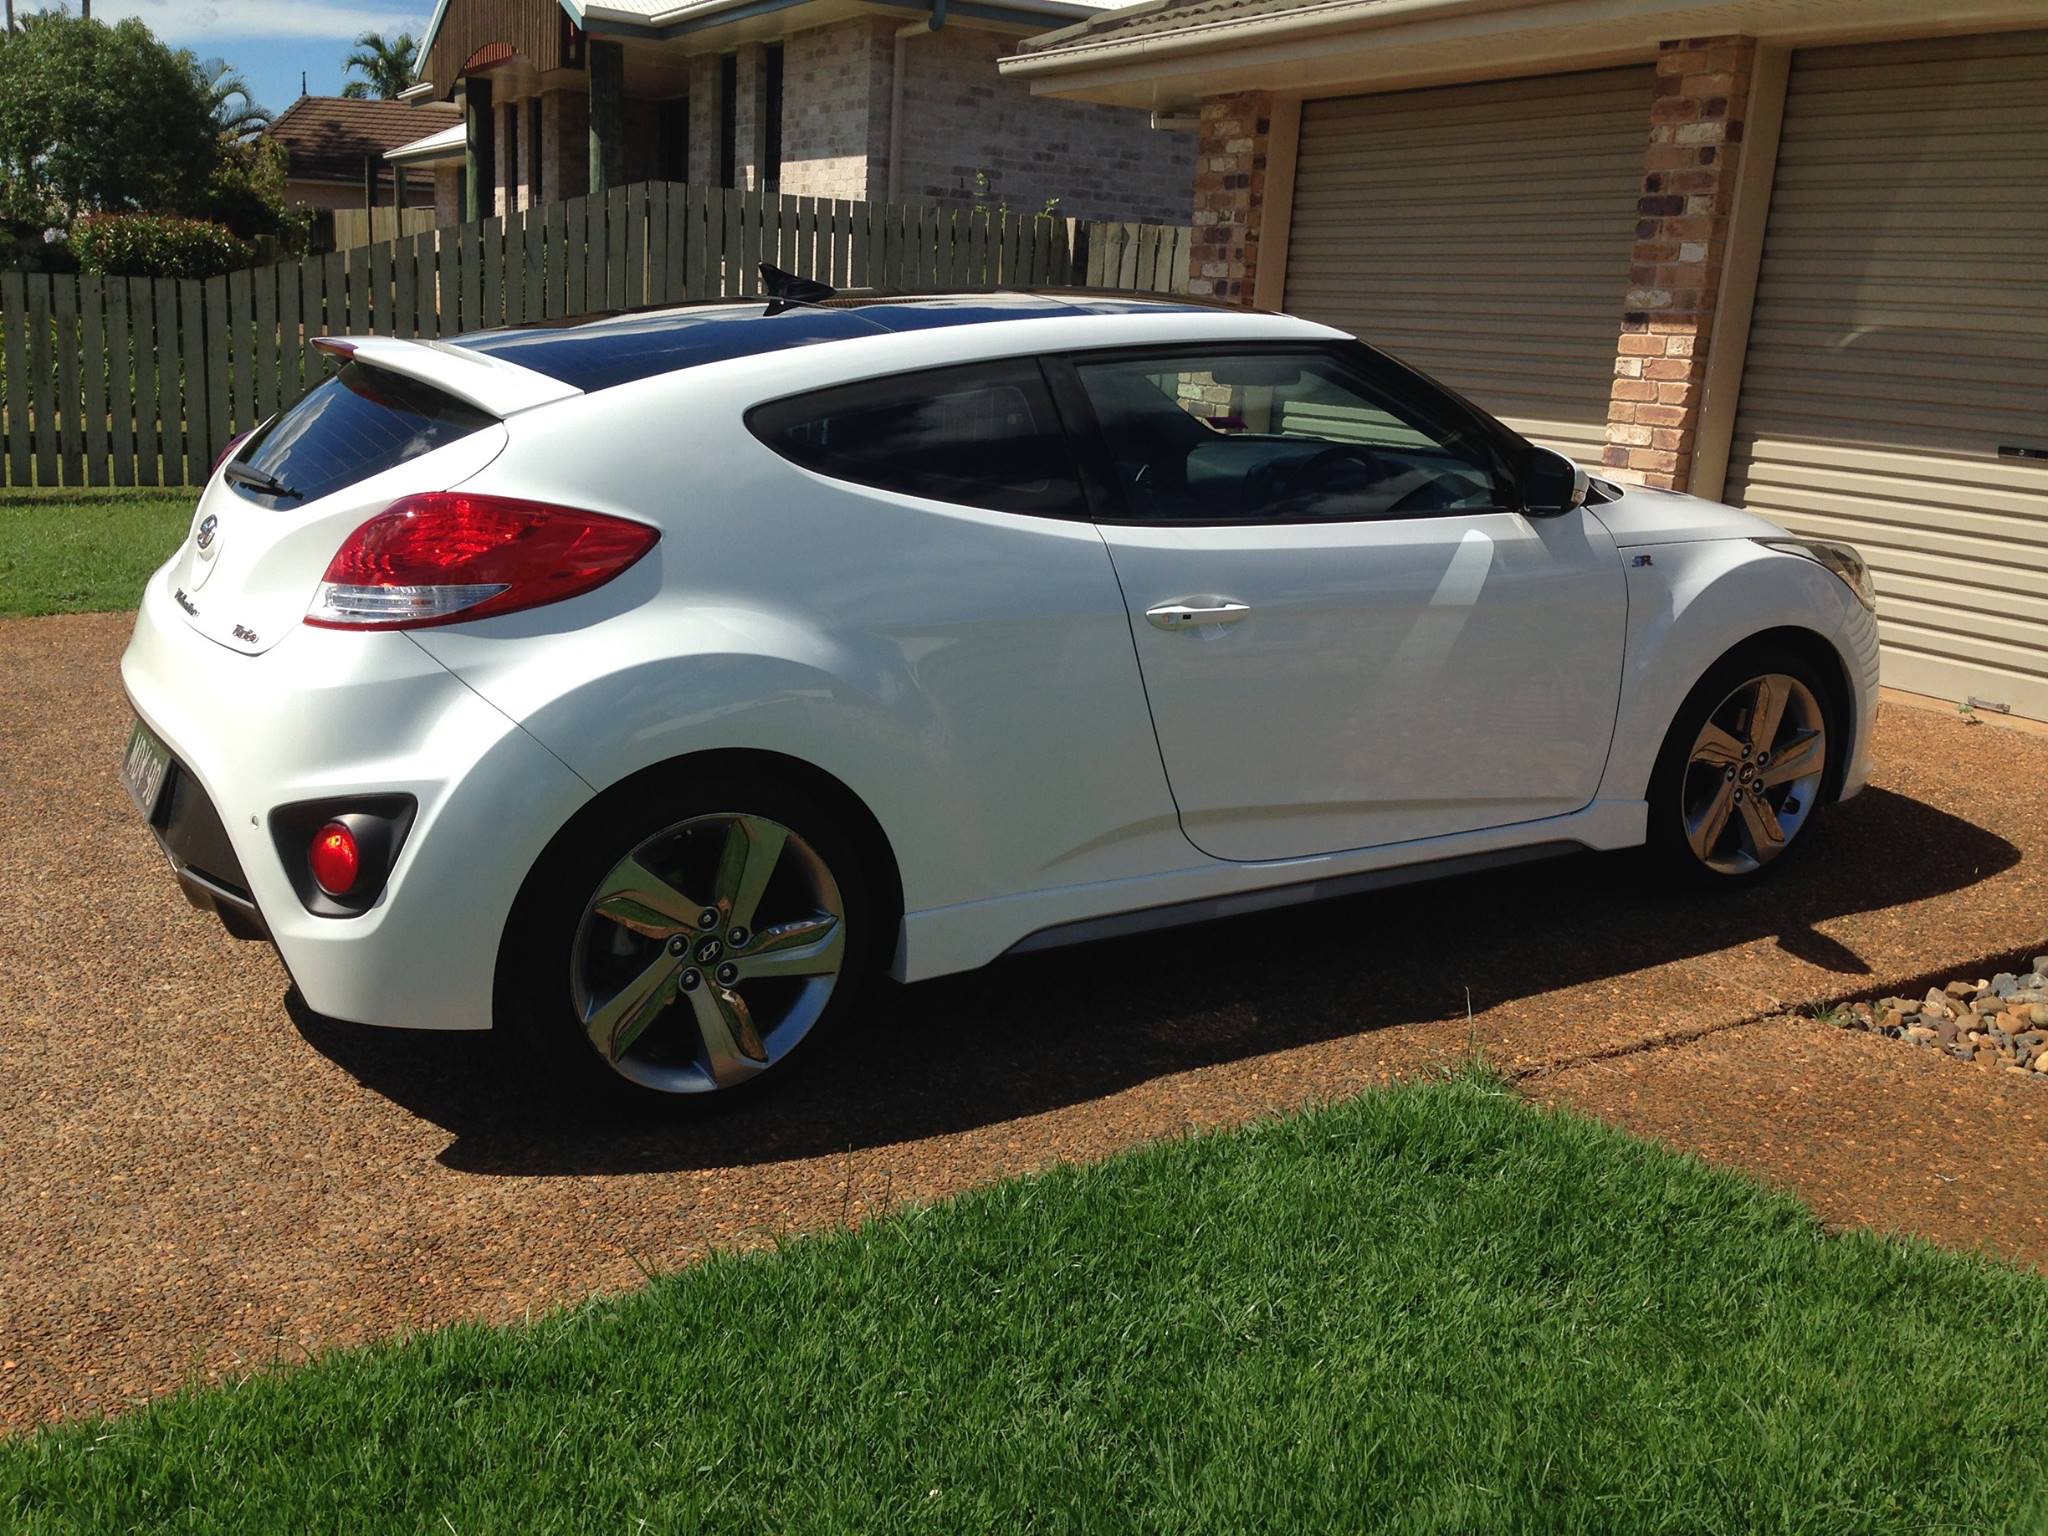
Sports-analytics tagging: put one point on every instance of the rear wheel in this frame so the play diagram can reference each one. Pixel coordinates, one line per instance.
(1743, 767)
(683, 947)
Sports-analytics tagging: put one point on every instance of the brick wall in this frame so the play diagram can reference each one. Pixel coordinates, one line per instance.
(1689, 171)
(1230, 195)
(835, 109)
(565, 145)
(447, 194)
(703, 155)
(961, 117)
(750, 87)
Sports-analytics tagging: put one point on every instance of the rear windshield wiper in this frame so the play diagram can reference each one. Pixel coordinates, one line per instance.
(257, 480)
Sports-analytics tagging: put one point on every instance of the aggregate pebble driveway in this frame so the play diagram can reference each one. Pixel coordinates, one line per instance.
(196, 1174)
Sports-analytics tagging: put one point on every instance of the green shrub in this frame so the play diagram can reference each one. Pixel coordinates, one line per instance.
(155, 245)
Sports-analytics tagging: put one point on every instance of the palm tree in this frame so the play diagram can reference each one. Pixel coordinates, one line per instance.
(236, 116)
(386, 66)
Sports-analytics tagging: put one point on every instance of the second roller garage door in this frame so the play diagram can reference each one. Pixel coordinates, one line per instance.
(1896, 386)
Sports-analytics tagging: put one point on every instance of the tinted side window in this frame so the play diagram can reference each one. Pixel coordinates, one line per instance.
(1280, 436)
(983, 435)
(359, 423)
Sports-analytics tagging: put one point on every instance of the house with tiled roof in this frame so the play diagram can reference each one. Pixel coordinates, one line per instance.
(889, 100)
(336, 147)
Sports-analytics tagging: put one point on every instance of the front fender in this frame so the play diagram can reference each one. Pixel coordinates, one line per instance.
(1689, 604)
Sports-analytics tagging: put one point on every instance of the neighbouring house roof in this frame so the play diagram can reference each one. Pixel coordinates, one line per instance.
(329, 137)
(447, 144)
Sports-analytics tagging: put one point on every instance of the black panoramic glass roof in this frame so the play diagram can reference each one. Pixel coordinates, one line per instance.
(599, 353)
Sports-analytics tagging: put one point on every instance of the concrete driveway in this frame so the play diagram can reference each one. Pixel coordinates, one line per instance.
(199, 1175)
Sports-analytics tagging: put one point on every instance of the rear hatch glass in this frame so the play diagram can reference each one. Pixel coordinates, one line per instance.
(269, 523)
(357, 424)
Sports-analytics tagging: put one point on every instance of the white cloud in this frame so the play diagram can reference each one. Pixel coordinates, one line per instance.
(196, 22)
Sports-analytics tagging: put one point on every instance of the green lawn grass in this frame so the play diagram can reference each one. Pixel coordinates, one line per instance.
(85, 551)
(1433, 1309)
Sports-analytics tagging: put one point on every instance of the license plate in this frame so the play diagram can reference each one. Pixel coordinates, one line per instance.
(143, 769)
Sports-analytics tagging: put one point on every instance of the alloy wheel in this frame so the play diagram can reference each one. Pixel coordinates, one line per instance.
(1754, 774)
(708, 953)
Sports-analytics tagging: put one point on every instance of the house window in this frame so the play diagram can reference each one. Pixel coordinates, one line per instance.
(771, 115)
(728, 119)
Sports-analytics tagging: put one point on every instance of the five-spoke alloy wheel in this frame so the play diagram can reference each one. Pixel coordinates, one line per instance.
(1754, 773)
(707, 953)
(1746, 762)
(695, 950)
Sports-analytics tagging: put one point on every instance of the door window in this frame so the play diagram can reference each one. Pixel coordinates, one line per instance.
(984, 435)
(1282, 436)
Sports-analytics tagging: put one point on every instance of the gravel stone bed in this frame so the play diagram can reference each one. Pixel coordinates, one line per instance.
(2000, 1024)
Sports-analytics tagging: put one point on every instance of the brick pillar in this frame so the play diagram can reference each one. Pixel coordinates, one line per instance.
(1674, 278)
(564, 145)
(702, 170)
(502, 157)
(607, 115)
(480, 143)
(1230, 195)
(750, 112)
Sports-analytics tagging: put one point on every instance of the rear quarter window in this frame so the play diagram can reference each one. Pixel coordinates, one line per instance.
(984, 435)
(359, 423)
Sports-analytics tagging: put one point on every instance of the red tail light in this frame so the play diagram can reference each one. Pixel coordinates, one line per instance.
(335, 859)
(450, 556)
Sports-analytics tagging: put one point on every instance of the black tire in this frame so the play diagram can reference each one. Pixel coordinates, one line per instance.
(1670, 850)
(534, 998)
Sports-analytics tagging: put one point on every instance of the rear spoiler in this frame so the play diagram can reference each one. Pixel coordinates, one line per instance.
(475, 378)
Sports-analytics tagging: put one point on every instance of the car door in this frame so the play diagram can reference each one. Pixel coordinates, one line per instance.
(1349, 634)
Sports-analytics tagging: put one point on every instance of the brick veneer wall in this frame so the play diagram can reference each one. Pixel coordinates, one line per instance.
(835, 110)
(750, 85)
(1230, 195)
(447, 194)
(960, 116)
(1696, 127)
(703, 109)
(565, 145)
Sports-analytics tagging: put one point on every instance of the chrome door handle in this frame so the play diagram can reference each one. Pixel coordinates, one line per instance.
(1188, 614)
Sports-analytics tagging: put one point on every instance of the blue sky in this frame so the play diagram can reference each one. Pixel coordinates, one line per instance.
(270, 41)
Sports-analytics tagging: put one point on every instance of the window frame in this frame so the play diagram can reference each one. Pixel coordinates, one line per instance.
(1503, 446)
(1024, 371)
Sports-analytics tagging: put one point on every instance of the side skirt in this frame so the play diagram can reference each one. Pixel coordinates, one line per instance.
(1121, 924)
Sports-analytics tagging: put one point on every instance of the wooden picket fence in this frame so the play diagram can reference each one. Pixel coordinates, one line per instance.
(142, 381)
(361, 226)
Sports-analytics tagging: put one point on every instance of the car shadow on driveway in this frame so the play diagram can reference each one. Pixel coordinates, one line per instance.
(1040, 1032)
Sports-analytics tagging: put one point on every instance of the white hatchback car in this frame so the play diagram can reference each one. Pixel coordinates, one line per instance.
(641, 685)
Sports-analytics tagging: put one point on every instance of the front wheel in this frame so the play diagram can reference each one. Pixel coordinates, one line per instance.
(683, 947)
(1743, 767)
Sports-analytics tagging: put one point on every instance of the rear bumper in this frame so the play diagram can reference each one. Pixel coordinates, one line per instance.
(188, 829)
(329, 715)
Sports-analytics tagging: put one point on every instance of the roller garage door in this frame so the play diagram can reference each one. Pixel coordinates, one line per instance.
(1482, 233)
(1898, 359)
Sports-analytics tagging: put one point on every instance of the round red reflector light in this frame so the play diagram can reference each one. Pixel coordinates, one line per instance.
(335, 859)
